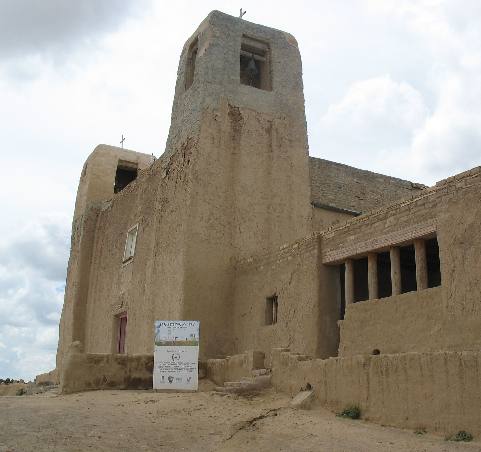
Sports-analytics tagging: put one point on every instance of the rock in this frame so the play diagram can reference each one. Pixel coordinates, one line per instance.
(303, 400)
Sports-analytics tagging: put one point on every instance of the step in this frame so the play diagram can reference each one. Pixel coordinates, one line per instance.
(259, 372)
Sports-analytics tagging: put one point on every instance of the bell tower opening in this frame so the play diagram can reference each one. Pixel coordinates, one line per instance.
(255, 65)
(125, 174)
(190, 67)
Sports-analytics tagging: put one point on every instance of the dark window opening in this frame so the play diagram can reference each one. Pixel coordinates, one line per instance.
(271, 310)
(342, 279)
(384, 275)
(408, 269)
(255, 64)
(190, 66)
(434, 266)
(361, 288)
(126, 173)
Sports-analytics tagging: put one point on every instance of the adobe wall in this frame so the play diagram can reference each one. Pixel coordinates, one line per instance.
(151, 285)
(436, 391)
(234, 368)
(305, 290)
(72, 320)
(92, 371)
(250, 172)
(253, 162)
(48, 378)
(413, 321)
(323, 218)
(444, 318)
(98, 173)
(232, 181)
(355, 189)
(96, 186)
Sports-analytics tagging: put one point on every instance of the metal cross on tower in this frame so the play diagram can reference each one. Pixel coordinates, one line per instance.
(122, 141)
(241, 13)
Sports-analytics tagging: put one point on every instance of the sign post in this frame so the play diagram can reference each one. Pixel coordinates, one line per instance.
(176, 354)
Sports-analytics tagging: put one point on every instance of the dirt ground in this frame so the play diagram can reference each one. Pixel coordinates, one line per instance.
(203, 421)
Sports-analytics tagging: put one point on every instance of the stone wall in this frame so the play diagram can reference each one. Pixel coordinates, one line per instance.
(346, 187)
(434, 391)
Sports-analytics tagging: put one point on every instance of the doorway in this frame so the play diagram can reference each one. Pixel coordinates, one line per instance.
(121, 332)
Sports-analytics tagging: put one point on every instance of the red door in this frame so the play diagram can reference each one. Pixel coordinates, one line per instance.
(122, 333)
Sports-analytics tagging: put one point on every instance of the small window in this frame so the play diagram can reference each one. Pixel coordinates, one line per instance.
(433, 264)
(190, 65)
(255, 65)
(361, 288)
(384, 275)
(342, 291)
(408, 268)
(125, 174)
(130, 243)
(271, 310)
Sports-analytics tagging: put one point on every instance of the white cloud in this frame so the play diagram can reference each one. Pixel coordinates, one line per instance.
(55, 27)
(428, 132)
(376, 119)
(32, 275)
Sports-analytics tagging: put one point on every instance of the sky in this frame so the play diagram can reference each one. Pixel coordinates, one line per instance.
(390, 86)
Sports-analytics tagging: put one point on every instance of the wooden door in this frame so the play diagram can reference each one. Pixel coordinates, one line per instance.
(122, 332)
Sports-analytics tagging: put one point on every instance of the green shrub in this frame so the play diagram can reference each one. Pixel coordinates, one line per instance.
(462, 435)
(420, 431)
(21, 391)
(352, 412)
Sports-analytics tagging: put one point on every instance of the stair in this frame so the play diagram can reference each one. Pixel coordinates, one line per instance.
(261, 379)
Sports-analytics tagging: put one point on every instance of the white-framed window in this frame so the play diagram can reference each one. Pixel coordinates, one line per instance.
(129, 250)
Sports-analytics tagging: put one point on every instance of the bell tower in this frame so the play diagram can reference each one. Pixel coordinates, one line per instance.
(239, 98)
(239, 110)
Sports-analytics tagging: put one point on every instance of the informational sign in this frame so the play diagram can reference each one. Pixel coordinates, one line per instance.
(176, 354)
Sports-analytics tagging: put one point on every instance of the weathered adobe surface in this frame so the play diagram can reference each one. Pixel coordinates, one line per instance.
(345, 187)
(443, 318)
(306, 317)
(157, 201)
(93, 371)
(436, 391)
(233, 180)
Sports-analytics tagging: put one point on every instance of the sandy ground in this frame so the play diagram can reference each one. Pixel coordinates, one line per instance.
(203, 421)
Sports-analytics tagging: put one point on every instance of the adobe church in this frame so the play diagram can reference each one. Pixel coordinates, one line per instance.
(365, 286)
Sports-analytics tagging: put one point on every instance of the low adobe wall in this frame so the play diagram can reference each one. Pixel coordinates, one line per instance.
(234, 368)
(48, 378)
(90, 371)
(439, 391)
